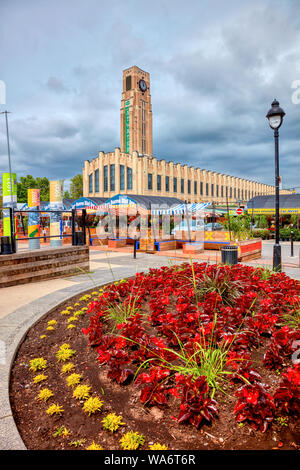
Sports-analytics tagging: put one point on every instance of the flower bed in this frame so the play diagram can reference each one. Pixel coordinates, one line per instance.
(203, 351)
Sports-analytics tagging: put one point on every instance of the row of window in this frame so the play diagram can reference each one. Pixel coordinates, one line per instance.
(215, 190)
(94, 180)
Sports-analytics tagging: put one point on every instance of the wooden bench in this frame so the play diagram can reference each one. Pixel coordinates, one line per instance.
(193, 248)
(116, 242)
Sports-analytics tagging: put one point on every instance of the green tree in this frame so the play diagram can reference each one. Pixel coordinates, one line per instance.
(76, 186)
(27, 182)
(67, 195)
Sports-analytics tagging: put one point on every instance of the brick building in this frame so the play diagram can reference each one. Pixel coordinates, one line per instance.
(132, 169)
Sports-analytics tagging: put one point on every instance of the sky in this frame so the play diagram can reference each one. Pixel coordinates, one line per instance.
(215, 68)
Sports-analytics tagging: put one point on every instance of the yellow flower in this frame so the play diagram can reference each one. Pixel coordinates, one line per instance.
(69, 327)
(92, 405)
(94, 446)
(43, 336)
(38, 364)
(82, 392)
(65, 312)
(158, 447)
(39, 378)
(73, 380)
(50, 328)
(52, 322)
(66, 368)
(131, 441)
(71, 319)
(64, 354)
(112, 422)
(45, 394)
(55, 410)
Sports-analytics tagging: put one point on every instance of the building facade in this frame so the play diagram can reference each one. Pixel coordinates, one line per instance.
(132, 169)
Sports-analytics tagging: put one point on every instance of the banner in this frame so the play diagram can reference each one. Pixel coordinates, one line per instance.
(56, 204)
(9, 193)
(127, 132)
(33, 197)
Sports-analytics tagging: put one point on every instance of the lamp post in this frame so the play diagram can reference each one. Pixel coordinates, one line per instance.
(275, 117)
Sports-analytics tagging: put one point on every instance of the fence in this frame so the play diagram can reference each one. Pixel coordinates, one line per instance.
(78, 237)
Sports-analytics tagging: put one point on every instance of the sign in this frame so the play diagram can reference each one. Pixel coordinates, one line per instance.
(239, 211)
(127, 132)
(9, 192)
(34, 218)
(56, 204)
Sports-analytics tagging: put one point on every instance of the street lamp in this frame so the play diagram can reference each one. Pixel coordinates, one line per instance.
(275, 116)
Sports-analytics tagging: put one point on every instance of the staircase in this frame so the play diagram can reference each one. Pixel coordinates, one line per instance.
(43, 264)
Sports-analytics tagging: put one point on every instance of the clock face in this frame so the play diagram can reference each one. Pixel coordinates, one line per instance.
(142, 85)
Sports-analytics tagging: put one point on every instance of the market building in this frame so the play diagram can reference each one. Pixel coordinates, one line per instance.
(133, 170)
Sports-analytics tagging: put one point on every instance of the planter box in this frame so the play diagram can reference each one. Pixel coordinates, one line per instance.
(117, 243)
(249, 249)
(164, 245)
(193, 248)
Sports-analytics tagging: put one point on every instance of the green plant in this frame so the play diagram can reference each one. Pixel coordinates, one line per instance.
(94, 446)
(228, 289)
(64, 353)
(38, 363)
(39, 378)
(291, 319)
(131, 441)
(120, 311)
(112, 422)
(282, 421)
(61, 431)
(78, 443)
(66, 368)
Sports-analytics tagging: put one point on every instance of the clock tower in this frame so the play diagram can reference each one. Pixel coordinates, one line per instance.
(136, 112)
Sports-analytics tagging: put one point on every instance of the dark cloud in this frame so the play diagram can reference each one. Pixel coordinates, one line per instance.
(214, 73)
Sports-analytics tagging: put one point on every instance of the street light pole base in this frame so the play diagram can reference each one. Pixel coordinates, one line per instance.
(277, 258)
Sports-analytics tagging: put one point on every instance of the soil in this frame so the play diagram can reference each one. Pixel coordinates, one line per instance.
(156, 423)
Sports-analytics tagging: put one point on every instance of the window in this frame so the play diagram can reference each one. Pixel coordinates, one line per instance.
(128, 83)
(97, 181)
(231, 192)
(158, 182)
(212, 189)
(175, 185)
(143, 126)
(242, 194)
(201, 188)
(222, 191)
(234, 193)
(149, 180)
(112, 177)
(195, 187)
(91, 183)
(105, 178)
(129, 178)
(189, 186)
(122, 177)
(167, 183)
(217, 190)
(182, 185)
(206, 189)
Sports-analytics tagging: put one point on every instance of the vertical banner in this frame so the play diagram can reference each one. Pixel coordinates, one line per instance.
(127, 133)
(9, 192)
(33, 218)
(56, 204)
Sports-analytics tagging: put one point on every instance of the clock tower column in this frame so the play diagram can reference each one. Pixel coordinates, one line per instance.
(136, 112)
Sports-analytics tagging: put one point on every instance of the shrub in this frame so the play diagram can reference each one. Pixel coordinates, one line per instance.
(112, 422)
(287, 396)
(131, 441)
(254, 405)
(38, 364)
(92, 405)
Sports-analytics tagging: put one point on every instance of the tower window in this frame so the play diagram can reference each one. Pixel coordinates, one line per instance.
(112, 177)
(167, 183)
(195, 187)
(149, 180)
(129, 178)
(182, 185)
(91, 183)
(105, 178)
(128, 83)
(122, 177)
(175, 185)
(189, 186)
(158, 182)
(201, 188)
(97, 181)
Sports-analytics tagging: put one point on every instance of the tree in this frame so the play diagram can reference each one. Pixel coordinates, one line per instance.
(67, 195)
(76, 186)
(27, 182)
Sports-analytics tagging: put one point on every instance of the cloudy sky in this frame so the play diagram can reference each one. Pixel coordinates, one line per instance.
(215, 68)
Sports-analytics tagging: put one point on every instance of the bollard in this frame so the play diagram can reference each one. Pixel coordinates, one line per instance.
(292, 243)
(134, 248)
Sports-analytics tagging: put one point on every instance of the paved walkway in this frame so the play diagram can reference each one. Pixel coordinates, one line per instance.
(22, 306)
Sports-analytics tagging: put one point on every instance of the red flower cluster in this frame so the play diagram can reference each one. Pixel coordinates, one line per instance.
(177, 315)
